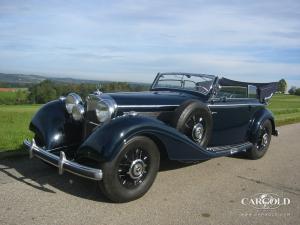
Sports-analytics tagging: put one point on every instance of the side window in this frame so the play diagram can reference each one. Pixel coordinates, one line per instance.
(232, 92)
(252, 91)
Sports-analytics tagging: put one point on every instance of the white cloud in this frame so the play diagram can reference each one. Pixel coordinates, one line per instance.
(134, 39)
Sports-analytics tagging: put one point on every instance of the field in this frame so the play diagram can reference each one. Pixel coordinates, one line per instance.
(286, 109)
(14, 119)
(8, 96)
(15, 96)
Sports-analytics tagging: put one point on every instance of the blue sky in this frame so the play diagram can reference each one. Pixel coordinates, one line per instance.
(131, 40)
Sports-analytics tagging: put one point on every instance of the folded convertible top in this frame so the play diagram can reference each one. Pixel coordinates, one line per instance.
(264, 90)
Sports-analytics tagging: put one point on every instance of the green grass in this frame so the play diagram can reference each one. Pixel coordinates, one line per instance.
(14, 119)
(286, 109)
(8, 95)
(20, 96)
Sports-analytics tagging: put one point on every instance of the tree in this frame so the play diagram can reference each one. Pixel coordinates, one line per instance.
(297, 92)
(43, 92)
(292, 90)
(21, 96)
(282, 86)
(48, 90)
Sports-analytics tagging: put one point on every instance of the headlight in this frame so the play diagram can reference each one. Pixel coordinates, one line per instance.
(78, 112)
(103, 112)
(71, 100)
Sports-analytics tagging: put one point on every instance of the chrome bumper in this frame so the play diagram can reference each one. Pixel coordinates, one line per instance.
(61, 162)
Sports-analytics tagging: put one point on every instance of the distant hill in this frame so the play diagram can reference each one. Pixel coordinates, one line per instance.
(20, 78)
(26, 80)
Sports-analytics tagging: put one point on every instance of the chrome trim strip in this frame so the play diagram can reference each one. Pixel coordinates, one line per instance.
(131, 113)
(146, 106)
(191, 74)
(209, 105)
(230, 105)
(62, 163)
(96, 124)
(232, 148)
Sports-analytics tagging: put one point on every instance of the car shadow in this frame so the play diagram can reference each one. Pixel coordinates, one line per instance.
(43, 177)
(240, 155)
(166, 164)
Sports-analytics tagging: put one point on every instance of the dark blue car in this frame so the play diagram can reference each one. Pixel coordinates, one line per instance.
(118, 139)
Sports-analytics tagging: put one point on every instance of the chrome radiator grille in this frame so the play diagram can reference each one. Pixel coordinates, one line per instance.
(93, 100)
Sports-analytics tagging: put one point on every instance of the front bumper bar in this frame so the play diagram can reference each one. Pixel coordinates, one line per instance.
(62, 163)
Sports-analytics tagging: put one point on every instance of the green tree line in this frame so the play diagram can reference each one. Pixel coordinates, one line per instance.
(48, 90)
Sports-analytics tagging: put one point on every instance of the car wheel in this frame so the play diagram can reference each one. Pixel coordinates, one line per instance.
(261, 145)
(132, 172)
(194, 119)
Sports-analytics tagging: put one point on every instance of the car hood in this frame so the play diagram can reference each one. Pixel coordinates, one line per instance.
(150, 98)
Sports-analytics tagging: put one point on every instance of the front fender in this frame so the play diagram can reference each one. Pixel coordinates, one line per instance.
(106, 141)
(53, 126)
(258, 118)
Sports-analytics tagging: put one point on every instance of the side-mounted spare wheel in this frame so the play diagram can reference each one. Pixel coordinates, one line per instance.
(194, 119)
(132, 172)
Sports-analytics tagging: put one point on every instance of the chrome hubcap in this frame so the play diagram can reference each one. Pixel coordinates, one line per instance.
(195, 127)
(265, 140)
(197, 132)
(137, 169)
(133, 168)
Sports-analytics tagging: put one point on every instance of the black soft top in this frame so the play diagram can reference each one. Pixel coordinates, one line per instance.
(264, 90)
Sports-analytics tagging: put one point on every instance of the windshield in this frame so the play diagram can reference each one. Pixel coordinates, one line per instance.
(199, 83)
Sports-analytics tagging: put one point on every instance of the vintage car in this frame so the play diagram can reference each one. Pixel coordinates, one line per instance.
(118, 139)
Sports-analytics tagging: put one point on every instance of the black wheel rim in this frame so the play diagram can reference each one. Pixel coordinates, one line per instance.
(133, 168)
(195, 127)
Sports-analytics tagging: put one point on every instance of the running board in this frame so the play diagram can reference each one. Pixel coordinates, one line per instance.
(230, 149)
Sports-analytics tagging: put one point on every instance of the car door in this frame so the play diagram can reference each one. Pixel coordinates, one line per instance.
(231, 114)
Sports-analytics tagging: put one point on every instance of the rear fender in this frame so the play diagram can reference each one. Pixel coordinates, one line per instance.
(106, 141)
(258, 118)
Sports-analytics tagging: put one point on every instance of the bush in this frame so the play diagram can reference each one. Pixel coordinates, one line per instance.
(292, 90)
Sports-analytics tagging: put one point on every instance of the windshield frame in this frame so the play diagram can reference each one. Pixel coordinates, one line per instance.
(212, 77)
